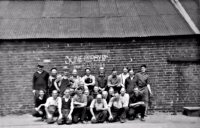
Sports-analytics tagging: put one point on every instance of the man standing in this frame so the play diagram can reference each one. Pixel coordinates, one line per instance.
(101, 80)
(130, 82)
(63, 83)
(88, 79)
(53, 107)
(40, 79)
(114, 81)
(144, 85)
(52, 78)
(98, 109)
(75, 79)
(137, 105)
(124, 75)
(80, 102)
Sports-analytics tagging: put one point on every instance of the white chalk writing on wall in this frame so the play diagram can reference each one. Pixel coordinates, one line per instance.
(82, 61)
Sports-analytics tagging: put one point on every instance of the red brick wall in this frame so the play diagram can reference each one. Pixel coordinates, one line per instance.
(178, 82)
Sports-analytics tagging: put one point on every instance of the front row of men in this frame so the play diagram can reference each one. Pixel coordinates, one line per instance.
(79, 106)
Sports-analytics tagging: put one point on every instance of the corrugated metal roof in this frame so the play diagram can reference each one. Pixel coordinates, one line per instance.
(90, 19)
(193, 9)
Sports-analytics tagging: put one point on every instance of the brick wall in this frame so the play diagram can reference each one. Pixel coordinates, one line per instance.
(171, 82)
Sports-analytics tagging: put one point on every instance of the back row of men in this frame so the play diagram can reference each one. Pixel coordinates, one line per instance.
(101, 98)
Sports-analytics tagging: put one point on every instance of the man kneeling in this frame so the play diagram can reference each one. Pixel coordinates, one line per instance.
(137, 105)
(116, 109)
(67, 108)
(53, 107)
(98, 109)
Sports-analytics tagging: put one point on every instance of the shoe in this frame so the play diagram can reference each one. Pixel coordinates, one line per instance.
(122, 120)
(142, 119)
(83, 122)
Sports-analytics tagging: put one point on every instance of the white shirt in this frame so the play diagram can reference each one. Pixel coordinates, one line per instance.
(97, 105)
(125, 99)
(56, 102)
(123, 78)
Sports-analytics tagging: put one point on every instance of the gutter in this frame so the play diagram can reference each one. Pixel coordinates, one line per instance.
(185, 15)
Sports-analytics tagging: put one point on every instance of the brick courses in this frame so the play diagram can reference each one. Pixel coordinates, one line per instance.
(177, 82)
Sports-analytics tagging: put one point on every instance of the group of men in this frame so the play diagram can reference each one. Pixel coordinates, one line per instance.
(68, 98)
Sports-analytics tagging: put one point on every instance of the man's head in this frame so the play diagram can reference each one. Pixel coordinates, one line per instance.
(81, 84)
(116, 95)
(114, 72)
(143, 68)
(105, 94)
(71, 90)
(122, 91)
(41, 93)
(101, 71)
(65, 71)
(99, 98)
(80, 90)
(125, 70)
(74, 72)
(54, 94)
(96, 88)
(40, 67)
(86, 92)
(111, 91)
(131, 72)
(87, 71)
(54, 71)
(136, 91)
(67, 92)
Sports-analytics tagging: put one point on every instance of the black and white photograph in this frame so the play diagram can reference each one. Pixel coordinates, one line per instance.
(99, 63)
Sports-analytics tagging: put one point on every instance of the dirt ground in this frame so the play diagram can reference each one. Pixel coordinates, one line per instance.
(158, 120)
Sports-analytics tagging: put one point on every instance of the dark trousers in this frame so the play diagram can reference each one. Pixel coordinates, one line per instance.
(40, 113)
(65, 119)
(117, 89)
(88, 114)
(53, 110)
(78, 114)
(100, 116)
(118, 113)
(138, 109)
(91, 88)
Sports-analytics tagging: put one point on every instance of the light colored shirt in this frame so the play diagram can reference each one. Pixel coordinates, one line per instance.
(115, 103)
(125, 99)
(80, 99)
(97, 105)
(114, 81)
(76, 81)
(56, 102)
(123, 78)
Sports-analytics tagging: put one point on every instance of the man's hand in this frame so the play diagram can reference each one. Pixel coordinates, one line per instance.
(34, 91)
(110, 117)
(69, 117)
(36, 109)
(60, 116)
(40, 112)
(93, 118)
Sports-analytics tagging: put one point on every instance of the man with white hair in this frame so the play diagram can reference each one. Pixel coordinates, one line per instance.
(53, 107)
(75, 78)
(98, 109)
